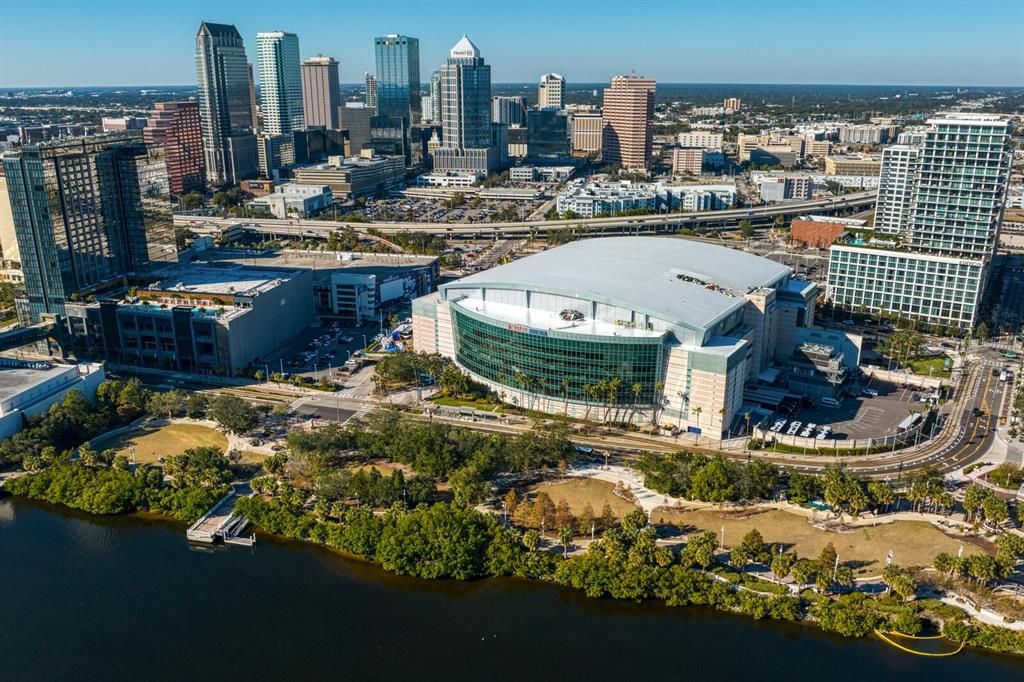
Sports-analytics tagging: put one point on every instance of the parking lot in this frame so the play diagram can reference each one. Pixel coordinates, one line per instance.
(320, 351)
(440, 210)
(858, 416)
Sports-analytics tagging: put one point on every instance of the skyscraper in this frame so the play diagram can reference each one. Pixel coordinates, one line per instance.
(435, 97)
(551, 91)
(82, 210)
(398, 76)
(897, 182)
(628, 132)
(253, 103)
(468, 137)
(280, 82)
(320, 95)
(961, 185)
(547, 133)
(175, 126)
(370, 98)
(508, 109)
(224, 106)
(932, 263)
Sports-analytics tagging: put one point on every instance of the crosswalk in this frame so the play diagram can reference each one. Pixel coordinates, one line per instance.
(357, 415)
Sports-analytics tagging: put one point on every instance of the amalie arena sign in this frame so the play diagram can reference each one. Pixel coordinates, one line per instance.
(523, 329)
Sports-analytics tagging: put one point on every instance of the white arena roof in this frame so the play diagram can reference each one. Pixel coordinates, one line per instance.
(677, 280)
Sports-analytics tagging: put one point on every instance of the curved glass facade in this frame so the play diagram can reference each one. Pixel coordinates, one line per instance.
(536, 362)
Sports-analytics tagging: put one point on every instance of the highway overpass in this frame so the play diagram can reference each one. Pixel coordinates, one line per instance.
(645, 224)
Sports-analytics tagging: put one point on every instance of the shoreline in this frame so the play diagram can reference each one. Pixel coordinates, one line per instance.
(803, 619)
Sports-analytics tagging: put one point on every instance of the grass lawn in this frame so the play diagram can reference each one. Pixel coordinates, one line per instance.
(930, 366)
(578, 491)
(172, 439)
(913, 543)
(252, 457)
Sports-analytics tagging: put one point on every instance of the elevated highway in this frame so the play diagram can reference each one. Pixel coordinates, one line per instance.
(666, 223)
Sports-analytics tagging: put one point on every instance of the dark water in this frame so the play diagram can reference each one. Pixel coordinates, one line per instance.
(125, 599)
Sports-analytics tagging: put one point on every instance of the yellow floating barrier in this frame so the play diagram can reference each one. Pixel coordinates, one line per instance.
(884, 636)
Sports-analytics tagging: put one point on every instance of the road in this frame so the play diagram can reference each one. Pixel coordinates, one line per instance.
(965, 437)
(669, 222)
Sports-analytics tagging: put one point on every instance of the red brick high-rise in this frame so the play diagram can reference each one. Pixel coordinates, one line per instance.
(175, 125)
(628, 132)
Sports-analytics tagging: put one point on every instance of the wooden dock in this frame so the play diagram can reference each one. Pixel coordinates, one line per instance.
(222, 524)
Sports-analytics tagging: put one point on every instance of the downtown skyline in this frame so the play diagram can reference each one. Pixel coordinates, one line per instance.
(807, 42)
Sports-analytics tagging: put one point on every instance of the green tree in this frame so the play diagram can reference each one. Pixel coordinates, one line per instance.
(233, 414)
(746, 229)
(565, 535)
(204, 467)
(167, 403)
(781, 565)
(700, 549)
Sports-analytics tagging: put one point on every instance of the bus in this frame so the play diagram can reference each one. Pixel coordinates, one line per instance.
(1010, 355)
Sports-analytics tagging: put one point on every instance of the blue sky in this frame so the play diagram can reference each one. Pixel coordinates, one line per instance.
(921, 42)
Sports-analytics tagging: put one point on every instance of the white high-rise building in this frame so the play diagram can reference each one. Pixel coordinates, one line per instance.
(280, 82)
(896, 184)
(938, 265)
(551, 92)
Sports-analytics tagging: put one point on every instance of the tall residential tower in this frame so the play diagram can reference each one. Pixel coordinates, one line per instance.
(82, 214)
(932, 258)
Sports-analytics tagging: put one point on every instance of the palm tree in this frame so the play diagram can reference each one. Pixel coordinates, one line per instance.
(565, 394)
(602, 390)
(613, 397)
(659, 391)
(637, 388)
(588, 391)
(746, 418)
(721, 416)
(697, 410)
(520, 382)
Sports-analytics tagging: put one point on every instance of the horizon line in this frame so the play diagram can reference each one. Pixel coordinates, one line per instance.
(735, 83)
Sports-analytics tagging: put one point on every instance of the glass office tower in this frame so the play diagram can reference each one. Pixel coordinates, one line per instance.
(398, 94)
(398, 76)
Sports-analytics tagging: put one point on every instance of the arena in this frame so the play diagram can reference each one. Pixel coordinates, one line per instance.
(623, 329)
